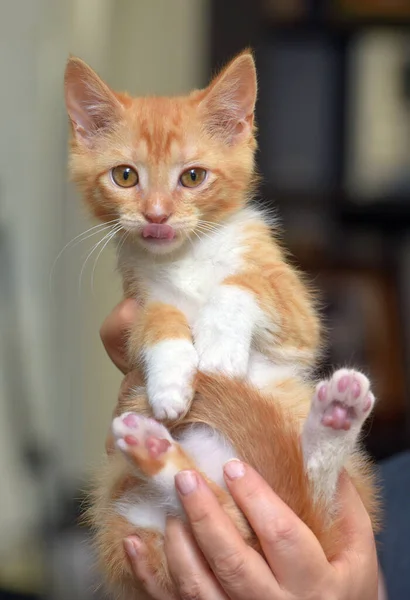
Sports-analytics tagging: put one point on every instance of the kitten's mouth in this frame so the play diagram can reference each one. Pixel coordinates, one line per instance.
(158, 232)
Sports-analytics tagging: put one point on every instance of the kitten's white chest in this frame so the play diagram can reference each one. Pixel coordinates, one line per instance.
(193, 277)
(189, 280)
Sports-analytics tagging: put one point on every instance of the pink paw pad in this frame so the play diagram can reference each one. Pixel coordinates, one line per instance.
(322, 392)
(136, 434)
(338, 416)
(343, 400)
(368, 403)
(157, 446)
(130, 420)
(131, 440)
(343, 383)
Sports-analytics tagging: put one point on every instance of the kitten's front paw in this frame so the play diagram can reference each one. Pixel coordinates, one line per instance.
(224, 329)
(171, 369)
(171, 402)
(225, 358)
(344, 401)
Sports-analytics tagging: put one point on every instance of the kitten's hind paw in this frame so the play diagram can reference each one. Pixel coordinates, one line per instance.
(339, 408)
(149, 446)
(343, 401)
(143, 441)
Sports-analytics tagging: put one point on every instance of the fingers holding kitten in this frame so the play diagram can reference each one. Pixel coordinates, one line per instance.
(189, 571)
(136, 553)
(115, 330)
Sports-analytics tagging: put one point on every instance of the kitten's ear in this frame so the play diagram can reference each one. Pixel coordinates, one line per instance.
(91, 105)
(229, 102)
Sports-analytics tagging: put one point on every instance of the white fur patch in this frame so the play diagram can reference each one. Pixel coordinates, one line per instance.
(209, 450)
(224, 329)
(171, 366)
(262, 373)
(142, 513)
(187, 278)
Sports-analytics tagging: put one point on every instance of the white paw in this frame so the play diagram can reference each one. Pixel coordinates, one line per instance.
(139, 437)
(171, 402)
(224, 329)
(343, 401)
(171, 369)
(221, 356)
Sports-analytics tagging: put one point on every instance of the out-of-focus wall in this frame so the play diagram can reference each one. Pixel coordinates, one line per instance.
(160, 47)
(379, 139)
(154, 46)
(31, 196)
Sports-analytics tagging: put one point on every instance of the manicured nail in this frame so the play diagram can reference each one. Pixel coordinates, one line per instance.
(132, 546)
(234, 469)
(186, 482)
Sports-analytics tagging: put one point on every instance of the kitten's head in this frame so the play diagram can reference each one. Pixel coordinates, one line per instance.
(167, 168)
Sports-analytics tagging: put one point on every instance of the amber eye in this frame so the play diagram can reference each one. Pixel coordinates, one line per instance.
(124, 176)
(193, 177)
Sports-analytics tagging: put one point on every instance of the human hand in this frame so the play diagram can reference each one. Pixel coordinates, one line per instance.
(115, 329)
(168, 386)
(114, 333)
(213, 562)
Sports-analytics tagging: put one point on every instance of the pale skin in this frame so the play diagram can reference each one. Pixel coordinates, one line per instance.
(212, 562)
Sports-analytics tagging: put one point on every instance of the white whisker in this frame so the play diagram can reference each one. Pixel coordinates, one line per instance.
(113, 234)
(203, 234)
(122, 241)
(77, 240)
(209, 225)
(190, 240)
(195, 233)
(202, 228)
(94, 248)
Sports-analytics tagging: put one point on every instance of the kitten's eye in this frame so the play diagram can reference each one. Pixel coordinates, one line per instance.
(124, 176)
(193, 177)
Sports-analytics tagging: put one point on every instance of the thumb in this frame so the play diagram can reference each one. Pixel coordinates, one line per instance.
(356, 524)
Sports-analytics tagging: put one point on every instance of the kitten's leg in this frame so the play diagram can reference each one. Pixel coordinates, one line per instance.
(151, 449)
(162, 338)
(224, 329)
(339, 408)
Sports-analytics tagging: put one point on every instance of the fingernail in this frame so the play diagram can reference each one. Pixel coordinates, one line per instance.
(132, 546)
(234, 469)
(186, 482)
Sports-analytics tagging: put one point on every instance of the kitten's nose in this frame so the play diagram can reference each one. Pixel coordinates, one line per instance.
(158, 218)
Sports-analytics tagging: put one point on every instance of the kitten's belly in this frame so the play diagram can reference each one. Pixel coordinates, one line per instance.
(209, 449)
(263, 372)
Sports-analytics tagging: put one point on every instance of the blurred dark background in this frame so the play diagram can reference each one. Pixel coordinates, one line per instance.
(334, 154)
(334, 132)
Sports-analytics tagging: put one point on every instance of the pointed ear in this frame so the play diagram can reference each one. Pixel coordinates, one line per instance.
(91, 105)
(229, 102)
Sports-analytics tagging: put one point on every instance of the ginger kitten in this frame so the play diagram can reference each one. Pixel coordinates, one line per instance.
(223, 318)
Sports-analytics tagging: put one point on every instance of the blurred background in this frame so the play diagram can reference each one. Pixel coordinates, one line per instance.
(334, 123)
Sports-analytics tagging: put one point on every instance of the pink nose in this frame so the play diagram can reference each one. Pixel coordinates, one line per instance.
(157, 218)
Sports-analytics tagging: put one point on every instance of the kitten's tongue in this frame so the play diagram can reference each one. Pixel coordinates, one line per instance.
(162, 232)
